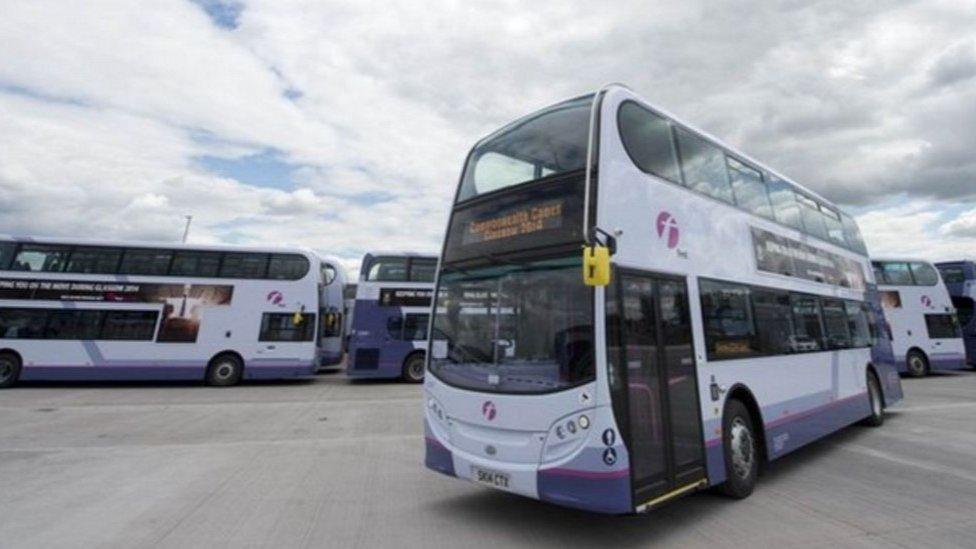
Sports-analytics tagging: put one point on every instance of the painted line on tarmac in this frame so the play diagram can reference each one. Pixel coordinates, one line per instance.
(932, 407)
(933, 468)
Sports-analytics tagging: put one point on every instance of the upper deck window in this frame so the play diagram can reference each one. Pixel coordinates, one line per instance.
(895, 273)
(853, 235)
(952, 274)
(648, 140)
(422, 270)
(388, 269)
(41, 257)
(749, 189)
(784, 203)
(7, 250)
(551, 142)
(94, 260)
(813, 219)
(287, 267)
(925, 274)
(703, 166)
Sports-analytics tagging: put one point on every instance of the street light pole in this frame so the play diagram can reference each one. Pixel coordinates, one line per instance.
(186, 230)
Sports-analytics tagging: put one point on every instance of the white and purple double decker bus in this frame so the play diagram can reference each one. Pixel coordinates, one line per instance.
(718, 317)
(388, 338)
(925, 332)
(107, 310)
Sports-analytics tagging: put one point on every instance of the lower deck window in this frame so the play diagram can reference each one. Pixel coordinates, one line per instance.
(77, 324)
(282, 327)
(942, 326)
(410, 327)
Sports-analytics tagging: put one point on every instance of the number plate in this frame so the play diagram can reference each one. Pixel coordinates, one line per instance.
(490, 478)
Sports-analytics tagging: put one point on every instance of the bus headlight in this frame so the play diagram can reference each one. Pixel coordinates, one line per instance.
(565, 437)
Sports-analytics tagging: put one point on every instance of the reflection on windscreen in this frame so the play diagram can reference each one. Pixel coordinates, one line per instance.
(550, 142)
(515, 329)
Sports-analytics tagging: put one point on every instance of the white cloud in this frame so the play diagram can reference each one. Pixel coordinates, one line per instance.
(859, 102)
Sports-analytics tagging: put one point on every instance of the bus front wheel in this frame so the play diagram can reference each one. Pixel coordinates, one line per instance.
(877, 402)
(741, 451)
(413, 368)
(918, 365)
(224, 371)
(9, 369)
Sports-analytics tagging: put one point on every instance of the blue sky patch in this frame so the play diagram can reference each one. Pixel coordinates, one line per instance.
(265, 169)
(224, 13)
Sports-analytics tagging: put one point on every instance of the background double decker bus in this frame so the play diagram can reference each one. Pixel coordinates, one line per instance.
(960, 280)
(925, 333)
(718, 318)
(87, 310)
(388, 337)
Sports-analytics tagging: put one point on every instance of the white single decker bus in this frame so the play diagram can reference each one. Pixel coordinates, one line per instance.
(86, 310)
(925, 331)
(628, 310)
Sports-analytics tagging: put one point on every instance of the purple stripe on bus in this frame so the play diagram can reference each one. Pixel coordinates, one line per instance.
(602, 495)
(578, 473)
(154, 372)
(437, 457)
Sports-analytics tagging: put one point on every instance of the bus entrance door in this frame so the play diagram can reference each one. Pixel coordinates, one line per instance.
(664, 432)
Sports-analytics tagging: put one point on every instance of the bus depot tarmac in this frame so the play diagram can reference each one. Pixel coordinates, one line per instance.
(331, 463)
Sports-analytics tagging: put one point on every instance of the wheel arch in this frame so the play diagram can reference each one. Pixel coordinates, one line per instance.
(744, 395)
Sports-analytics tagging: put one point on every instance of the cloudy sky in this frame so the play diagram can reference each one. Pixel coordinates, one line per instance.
(343, 125)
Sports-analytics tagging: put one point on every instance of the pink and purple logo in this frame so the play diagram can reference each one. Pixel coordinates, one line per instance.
(668, 225)
(488, 410)
(926, 301)
(276, 298)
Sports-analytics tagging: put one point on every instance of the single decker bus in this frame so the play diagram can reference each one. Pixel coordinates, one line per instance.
(628, 311)
(925, 332)
(388, 338)
(100, 310)
(960, 279)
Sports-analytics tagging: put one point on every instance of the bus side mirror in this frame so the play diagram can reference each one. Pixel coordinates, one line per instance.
(596, 265)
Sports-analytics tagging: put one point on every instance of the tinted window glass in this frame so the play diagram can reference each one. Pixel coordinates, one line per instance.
(924, 274)
(749, 190)
(391, 269)
(39, 257)
(774, 321)
(785, 207)
(282, 327)
(835, 231)
(964, 308)
(68, 324)
(835, 323)
(415, 327)
(329, 274)
(952, 274)
(729, 331)
(647, 139)
(422, 270)
(853, 235)
(142, 261)
(201, 264)
(550, 142)
(7, 250)
(942, 326)
(858, 324)
(129, 325)
(244, 265)
(22, 323)
(806, 319)
(897, 274)
(287, 267)
(94, 260)
(813, 220)
(703, 166)
(331, 323)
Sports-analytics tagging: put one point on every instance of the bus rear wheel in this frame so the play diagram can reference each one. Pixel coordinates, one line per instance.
(413, 368)
(9, 369)
(918, 365)
(741, 451)
(876, 419)
(224, 371)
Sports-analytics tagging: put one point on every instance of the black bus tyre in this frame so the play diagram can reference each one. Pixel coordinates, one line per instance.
(918, 365)
(413, 368)
(224, 370)
(876, 419)
(741, 451)
(9, 369)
